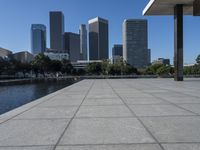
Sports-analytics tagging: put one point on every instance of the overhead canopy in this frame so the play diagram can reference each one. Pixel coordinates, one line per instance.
(166, 7)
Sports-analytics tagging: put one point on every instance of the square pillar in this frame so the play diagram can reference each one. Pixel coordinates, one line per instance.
(178, 42)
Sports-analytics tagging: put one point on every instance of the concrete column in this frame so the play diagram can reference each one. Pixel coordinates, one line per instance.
(178, 42)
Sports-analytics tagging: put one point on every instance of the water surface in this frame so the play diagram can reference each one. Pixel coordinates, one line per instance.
(13, 96)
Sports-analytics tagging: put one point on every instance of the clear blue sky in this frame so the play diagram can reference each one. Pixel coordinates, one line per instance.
(16, 17)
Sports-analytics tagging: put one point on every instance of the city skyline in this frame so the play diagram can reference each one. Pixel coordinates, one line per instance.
(128, 10)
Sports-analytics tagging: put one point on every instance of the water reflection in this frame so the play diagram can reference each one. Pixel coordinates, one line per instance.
(14, 96)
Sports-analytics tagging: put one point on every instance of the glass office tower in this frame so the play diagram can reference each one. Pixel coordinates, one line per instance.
(56, 30)
(98, 39)
(72, 46)
(135, 43)
(38, 38)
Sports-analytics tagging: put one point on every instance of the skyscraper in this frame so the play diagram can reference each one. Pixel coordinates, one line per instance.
(38, 38)
(117, 50)
(56, 30)
(98, 39)
(135, 42)
(72, 46)
(83, 42)
(117, 53)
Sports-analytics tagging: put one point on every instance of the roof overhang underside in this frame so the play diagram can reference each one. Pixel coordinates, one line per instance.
(166, 7)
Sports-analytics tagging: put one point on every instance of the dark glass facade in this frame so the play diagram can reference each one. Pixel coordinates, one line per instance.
(135, 43)
(38, 38)
(83, 42)
(117, 50)
(98, 39)
(56, 30)
(72, 46)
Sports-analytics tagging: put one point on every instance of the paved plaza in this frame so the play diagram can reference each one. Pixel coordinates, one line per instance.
(123, 114)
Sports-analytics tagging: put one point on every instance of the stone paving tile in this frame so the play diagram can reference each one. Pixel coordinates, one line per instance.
(27, 148)
(48, 113)
(97, 102)
(31, 132)
(144, 100)
(159, 110)
(174, 129)
(104, 111)
(181, 146)
(192, 107)
(112, 147)
(106, 131)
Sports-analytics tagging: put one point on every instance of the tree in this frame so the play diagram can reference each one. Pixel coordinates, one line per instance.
(130, 70)
(4, 65)
(55, 66)
(198, 59)
(105, 66)
(159, 69)
(188, 70)
(24, 68)
(80, 72)
(163, 70)
(196, 69)
(94, 68)
(41, 63)
(66, 67)
(152, 70)
(114, 69)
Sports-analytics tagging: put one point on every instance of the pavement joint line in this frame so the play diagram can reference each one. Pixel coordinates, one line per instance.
(176, 105)
(166, 116)
(57, 143)
(18, 146)
(103, 105)
(110, 144)
(34, 119)
(180, 142)
(136, 117)
(107, 144)
(58, 106)
(162, 104)
(104, 117)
